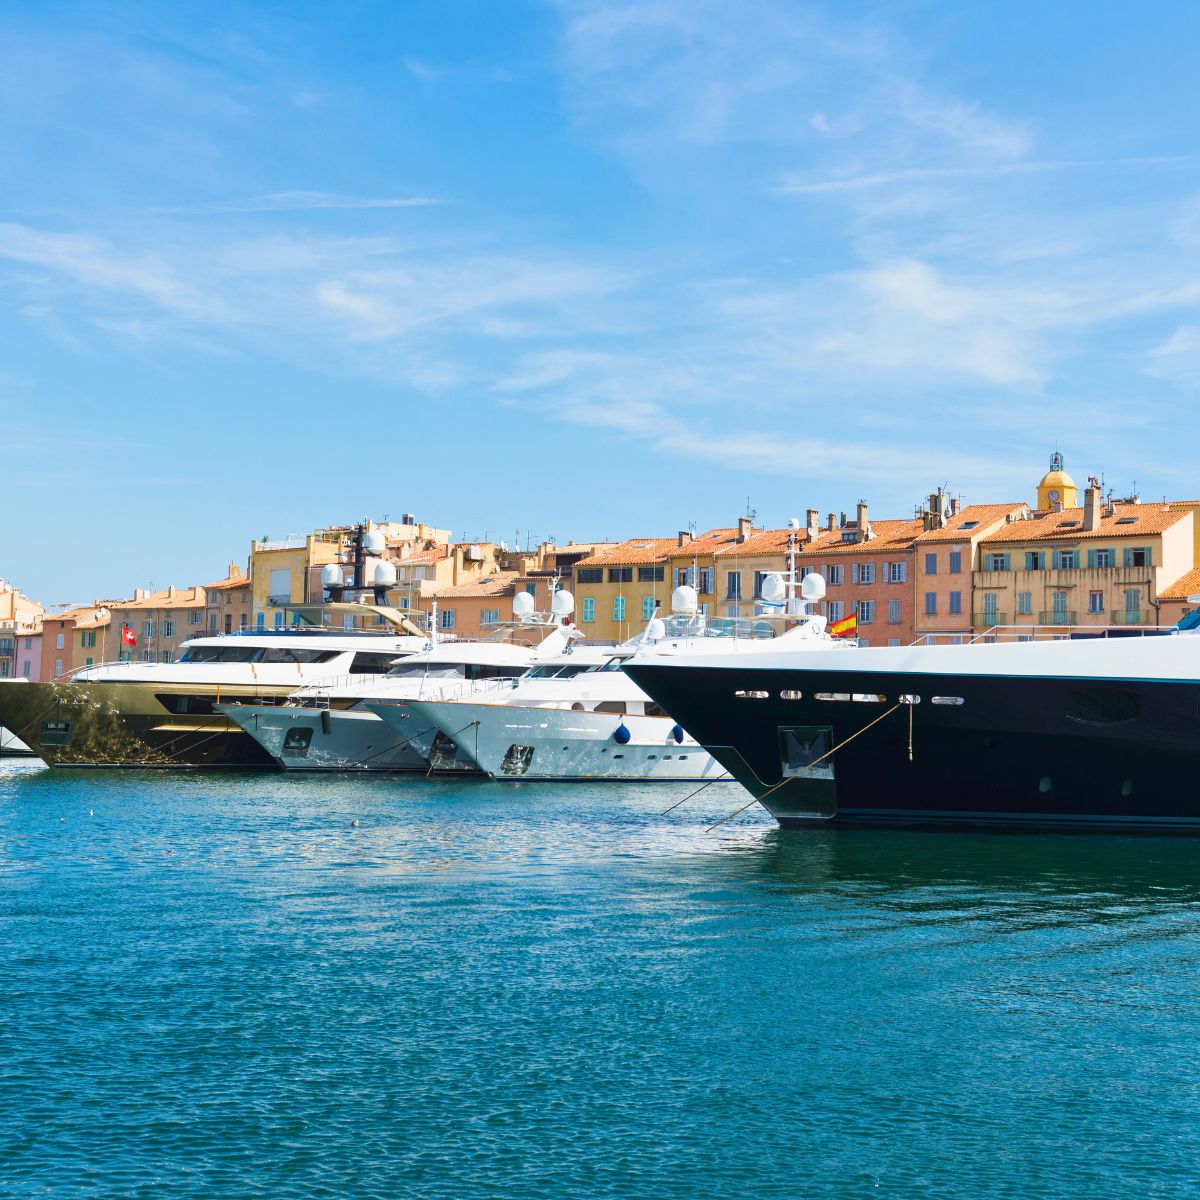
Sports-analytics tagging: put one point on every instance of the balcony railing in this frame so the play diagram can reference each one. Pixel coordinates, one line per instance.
(280, 601)
(985, 620)
(1057, 616)
(1131, 616)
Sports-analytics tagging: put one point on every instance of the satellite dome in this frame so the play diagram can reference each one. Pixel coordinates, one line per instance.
(374, 543)
(384, 573)
(563, 603)
(656, 630)
(331, 575)
(522, 606)
(684, 600)
(773, 589)
(812, 587)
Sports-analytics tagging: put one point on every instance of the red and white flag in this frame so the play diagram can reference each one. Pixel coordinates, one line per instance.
(128, 638)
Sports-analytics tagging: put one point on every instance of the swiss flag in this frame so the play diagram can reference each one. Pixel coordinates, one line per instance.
(127, 636)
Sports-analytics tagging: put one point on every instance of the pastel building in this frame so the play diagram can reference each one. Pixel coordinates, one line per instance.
(1107, 562)
(75, 638)
(161, 622)
(20, 626)
(227, 603)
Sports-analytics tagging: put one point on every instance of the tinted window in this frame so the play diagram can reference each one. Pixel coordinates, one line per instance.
(282, 654)
(369, 663)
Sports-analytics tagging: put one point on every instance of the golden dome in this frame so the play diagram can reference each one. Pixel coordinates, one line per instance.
(1057, 487)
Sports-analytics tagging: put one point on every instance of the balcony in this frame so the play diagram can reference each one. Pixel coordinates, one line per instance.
(985, 620)
(282, 600)
(1057, 616)
(1131, 616)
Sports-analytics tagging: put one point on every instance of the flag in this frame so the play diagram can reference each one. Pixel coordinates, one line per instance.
(846, 627)
(127, 636)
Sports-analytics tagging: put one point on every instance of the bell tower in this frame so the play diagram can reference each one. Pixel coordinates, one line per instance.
(1057, 489)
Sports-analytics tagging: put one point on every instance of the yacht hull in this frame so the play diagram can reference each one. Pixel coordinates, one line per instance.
(1042, 751)
(131, 725)
(310, 739)
(508, 742)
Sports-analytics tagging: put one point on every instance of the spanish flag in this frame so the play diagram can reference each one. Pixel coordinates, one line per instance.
(846, 627)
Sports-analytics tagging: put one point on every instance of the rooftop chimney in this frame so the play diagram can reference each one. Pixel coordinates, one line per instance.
(1091, 508)
(685, 536)
(745, 527)
(864, 526)
(831, 522)
(813, 519)
(954, 506)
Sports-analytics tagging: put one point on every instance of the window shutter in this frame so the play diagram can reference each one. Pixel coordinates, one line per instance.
(1091, 558)
(1127, 556)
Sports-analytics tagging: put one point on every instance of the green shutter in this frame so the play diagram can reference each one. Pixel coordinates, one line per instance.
(1128, 555)
(1091, 558)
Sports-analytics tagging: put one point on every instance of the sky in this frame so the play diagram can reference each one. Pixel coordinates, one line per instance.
(579, 269)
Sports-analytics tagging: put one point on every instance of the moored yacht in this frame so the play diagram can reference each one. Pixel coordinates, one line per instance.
(1070, 732)
(329, 726)
(166, 714)
(581, 716)
(12, 746)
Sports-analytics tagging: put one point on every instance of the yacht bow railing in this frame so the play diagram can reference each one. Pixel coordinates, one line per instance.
(1037, 633)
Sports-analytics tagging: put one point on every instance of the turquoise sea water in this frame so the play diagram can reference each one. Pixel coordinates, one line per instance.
(219, 986)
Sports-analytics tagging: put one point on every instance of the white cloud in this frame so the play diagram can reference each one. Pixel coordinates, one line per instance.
(301, 201)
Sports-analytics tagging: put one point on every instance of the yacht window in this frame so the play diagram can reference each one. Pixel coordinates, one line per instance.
(492, 671)
(282, 654)
(611, 706)
(556, 671)
(215, 654)
(370, 663)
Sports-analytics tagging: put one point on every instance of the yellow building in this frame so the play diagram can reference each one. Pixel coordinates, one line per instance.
(617, 588)
(1105, 563)
(20, 624)
(1057, 490)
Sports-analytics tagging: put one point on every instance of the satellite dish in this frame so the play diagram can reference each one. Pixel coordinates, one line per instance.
(522, 606)
(773, 589)
(384, 573)
(374, 543)
(812, 587)
(794, 523)
(684, 600)
(563, 603)
(331, 575)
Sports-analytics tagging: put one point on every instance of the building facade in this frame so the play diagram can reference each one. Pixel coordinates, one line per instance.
(161, 622)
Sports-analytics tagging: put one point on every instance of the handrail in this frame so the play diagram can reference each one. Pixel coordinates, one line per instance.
(1036, 633)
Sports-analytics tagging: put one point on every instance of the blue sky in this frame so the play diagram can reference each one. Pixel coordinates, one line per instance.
(580, 269)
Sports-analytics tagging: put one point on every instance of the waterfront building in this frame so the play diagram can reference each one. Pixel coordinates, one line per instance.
(617, 585)
(20, 626)
(868, 570)
(1105, 563)
(1173, 600)
(693, 562)
(946, 560)
(160, 621)
(227, 603)
(744, 563)
(285, 574)
(77, 637)
(470, 610)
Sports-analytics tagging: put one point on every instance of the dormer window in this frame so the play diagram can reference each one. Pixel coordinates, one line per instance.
(1127, 520)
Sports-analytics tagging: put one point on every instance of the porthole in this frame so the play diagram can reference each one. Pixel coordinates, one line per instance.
(910, 699)
(751, 695)
(953, 700)
(789, 694)
(831, 696)
(868, 698)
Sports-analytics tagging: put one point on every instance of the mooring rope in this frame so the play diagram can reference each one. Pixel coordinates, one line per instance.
(818, 761)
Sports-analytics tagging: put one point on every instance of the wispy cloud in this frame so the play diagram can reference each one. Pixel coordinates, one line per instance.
(313, 201)
(798, 186)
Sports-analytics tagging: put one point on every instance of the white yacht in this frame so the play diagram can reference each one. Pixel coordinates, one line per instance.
(334, 726)
(580, 716)
(11, 746)
(166, 714)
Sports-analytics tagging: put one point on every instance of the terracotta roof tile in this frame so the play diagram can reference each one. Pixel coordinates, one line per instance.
(890, 536)
(763, 541)
(631, 552)
(1128, 520)
(229, 582)
(189, 597)
(1185, 586)
(711, 542)
(983, 514)
(503, 583)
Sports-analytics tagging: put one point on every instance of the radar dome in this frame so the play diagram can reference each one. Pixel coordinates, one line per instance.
(384, 573)
(684, 600)
(563, 603)
(331, 575)
(522, 606)
(656, 630)
(773, 589)
(374, 543)
(812, 587)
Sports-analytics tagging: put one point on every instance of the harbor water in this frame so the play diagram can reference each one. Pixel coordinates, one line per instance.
(221, 986)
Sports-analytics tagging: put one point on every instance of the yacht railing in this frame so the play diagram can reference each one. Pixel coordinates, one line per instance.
(1038, 633)
(319, 693)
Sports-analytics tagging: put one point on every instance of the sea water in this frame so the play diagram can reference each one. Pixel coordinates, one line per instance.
(258, 985)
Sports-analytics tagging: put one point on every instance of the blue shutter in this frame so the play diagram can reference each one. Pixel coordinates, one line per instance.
(1128, 554)
(1091, 558)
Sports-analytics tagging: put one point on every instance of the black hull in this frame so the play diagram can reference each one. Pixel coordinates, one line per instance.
(1036, 752)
